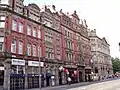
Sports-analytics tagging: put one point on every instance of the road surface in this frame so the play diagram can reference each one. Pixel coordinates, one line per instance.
(108, 85)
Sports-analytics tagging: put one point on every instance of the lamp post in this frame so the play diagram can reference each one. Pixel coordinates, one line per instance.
(39, 71)
(42, 24)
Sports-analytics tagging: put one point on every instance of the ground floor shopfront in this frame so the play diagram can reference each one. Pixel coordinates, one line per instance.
(19, 74)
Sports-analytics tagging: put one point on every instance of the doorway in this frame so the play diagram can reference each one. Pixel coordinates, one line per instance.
(1, 77)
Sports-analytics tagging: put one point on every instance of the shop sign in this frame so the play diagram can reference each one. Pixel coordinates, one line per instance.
(18, 62)
(70, 66)
(35, 63)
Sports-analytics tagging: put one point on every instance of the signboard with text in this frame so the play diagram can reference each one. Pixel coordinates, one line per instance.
(18, 62)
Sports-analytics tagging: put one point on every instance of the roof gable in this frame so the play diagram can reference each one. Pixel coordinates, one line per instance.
(104, 40)
(75, 15)
(34, 6)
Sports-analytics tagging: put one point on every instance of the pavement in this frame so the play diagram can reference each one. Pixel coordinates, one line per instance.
(66, 87)
(77, 85)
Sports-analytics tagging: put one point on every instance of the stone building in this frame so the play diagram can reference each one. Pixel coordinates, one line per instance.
(102, 64)
(41, 42)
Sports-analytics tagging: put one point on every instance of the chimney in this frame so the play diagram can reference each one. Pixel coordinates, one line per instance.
(53, 6)
(60, 10)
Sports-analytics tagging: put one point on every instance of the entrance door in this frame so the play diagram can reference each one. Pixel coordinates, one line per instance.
(80, 76)
(1, 77)
(60, 78)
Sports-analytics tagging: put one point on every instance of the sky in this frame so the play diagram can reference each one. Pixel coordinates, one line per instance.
(102, 15)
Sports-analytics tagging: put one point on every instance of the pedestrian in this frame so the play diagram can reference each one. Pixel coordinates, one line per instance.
(69, 80)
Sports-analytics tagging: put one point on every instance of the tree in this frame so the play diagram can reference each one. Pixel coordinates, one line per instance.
(116, 64)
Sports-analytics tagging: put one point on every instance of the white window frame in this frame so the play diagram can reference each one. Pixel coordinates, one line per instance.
(21, 27)
(39, 33)
(34, 50)
(29, 49)
(13, 46)
(34, 32)
(2, 17)
(2, 24)
(20, 47)
(14, 25)
(29, 30)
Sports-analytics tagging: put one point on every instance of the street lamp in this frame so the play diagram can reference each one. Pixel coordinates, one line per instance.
(43, 24)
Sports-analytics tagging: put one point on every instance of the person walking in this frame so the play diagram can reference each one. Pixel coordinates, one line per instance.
(69, 80)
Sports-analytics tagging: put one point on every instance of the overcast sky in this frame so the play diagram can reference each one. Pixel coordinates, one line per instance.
(102, 15)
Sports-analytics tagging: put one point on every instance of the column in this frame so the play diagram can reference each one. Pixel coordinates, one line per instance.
(78, 75)
(7, 76)
(64, 78)
(83, 75)
(26, 79)
(57, 75)
(45, 75)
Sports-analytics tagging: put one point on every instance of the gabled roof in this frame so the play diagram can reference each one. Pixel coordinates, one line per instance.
(75, 15)
(47, 9)
(34, 6)
(104, 40)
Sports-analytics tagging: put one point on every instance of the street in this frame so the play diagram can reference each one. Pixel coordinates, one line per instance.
(108, 85)
(111, 84)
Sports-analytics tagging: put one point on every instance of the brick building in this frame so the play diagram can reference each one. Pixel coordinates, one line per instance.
(29, 35)
(102, 64)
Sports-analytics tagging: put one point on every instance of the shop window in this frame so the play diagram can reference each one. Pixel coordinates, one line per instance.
(17, 69)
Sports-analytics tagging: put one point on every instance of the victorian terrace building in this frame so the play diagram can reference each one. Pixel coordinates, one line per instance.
(102, 64)
(41, 42)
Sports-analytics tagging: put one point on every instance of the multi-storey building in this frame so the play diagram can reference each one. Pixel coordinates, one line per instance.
(41, 42)
(102, 64)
